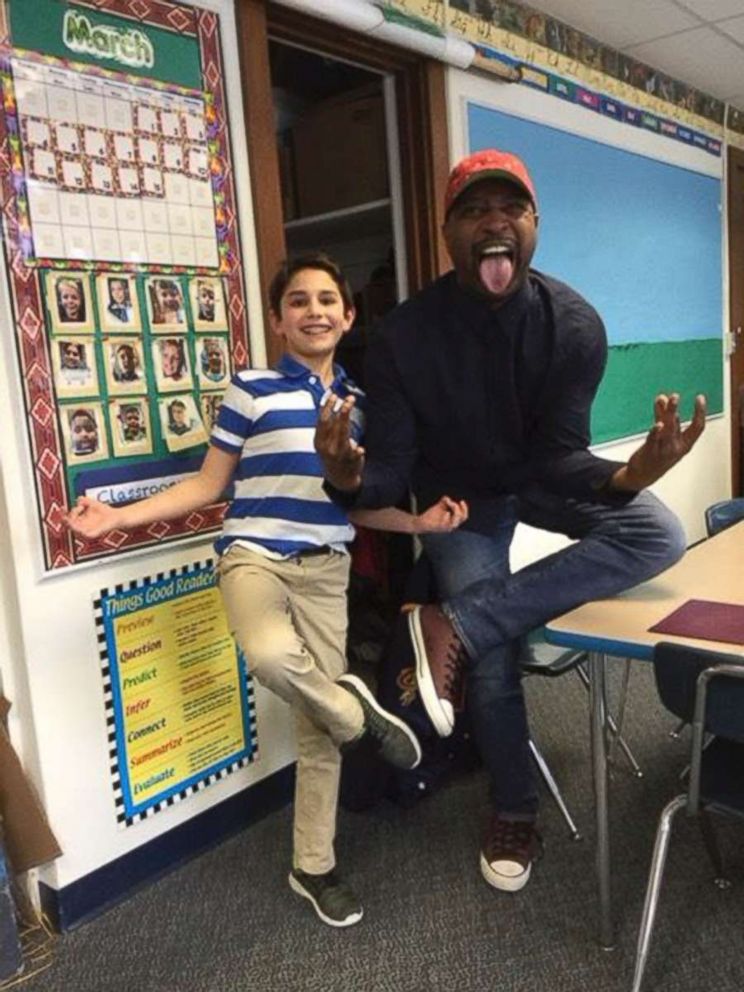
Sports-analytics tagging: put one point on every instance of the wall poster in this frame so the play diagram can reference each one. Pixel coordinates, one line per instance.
(179, 700)
(123, 252)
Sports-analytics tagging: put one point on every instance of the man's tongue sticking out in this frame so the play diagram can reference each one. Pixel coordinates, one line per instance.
(496, 272)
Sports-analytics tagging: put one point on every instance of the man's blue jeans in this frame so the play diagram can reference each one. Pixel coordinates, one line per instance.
(617, 546)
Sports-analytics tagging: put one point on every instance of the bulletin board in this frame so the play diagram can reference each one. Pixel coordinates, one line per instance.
(123, 252)
(640, 237)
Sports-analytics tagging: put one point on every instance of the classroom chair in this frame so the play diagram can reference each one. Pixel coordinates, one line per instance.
(718, 517)
(724, 514)
(541, 658)
(707, 689)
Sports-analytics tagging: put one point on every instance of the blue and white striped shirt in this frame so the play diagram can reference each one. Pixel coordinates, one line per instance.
(279, 507)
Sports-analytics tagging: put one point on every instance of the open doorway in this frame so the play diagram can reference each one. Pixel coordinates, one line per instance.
(338, 178)
(339, 181)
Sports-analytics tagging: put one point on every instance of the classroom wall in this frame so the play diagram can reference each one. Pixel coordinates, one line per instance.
(704, 476)
(49, 655)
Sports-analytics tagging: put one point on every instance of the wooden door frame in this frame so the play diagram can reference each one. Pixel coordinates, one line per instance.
(735, 225)
(422, 128)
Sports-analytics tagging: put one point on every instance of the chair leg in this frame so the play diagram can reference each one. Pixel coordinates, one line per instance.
(714, 851)
(614, 729)
(677, 732)
(555, 792)
(661, 846)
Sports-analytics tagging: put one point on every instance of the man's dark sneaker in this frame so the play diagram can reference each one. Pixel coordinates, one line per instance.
(440, 665)
(509, 848)
(332, 899)
(395, 740)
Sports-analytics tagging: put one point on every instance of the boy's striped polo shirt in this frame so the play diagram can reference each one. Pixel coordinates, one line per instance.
(278, 506)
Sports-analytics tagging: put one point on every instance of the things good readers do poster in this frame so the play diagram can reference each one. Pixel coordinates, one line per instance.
(179, 700)
(122, 250)
(640, 238)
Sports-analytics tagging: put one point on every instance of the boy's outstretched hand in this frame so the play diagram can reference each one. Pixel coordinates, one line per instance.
(342, 457)
(91, 518)
(665, 444)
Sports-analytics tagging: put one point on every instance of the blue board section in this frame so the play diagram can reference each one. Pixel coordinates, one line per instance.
(11, 960)
(639, 238)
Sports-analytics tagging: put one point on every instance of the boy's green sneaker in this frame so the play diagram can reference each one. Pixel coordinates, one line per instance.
(394, 739)
(332, 899)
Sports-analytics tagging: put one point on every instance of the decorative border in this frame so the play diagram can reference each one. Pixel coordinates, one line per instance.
(114, 767)
(597, 102)
(60, 547)
(531, 38)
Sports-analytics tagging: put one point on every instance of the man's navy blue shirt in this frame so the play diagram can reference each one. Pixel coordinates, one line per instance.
(478, 402)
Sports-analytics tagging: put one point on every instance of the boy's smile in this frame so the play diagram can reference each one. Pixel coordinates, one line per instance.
(312, 320)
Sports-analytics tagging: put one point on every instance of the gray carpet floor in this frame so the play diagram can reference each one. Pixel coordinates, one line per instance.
(227, 920)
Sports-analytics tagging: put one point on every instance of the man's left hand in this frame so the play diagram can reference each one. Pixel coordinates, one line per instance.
(664, 446)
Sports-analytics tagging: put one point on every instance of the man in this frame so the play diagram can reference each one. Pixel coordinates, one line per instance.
(481, 386)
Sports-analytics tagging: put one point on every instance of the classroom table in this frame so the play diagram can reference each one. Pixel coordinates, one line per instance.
(619, 627)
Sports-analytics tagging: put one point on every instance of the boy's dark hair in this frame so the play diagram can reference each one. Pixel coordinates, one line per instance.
(314, 260)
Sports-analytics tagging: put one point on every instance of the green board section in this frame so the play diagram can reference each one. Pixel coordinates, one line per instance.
(42, 25)
(637, 372)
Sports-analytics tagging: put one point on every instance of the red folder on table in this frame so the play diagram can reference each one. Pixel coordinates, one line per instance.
(705, 620)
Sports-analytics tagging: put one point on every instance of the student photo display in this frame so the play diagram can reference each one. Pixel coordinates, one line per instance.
(83, 432)
(125, 368)
(74, 366)
(170, 360)
(69, 302)
(129, 420)
(118, 306)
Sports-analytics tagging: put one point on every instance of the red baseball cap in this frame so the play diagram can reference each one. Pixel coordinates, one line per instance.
(490, 163)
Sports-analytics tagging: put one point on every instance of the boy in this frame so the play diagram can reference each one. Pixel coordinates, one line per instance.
(283, 565)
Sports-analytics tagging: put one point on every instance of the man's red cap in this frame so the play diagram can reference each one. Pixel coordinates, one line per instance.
(490, 163)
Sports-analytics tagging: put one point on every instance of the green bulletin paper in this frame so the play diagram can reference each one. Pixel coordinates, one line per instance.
(40, 26)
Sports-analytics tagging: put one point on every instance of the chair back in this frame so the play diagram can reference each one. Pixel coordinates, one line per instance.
(677, 667)
(721, 515)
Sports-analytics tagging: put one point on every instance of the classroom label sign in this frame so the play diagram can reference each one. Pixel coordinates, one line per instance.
(180, 703)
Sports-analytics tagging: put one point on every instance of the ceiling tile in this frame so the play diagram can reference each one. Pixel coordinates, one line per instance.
(701, 58)
(714, 10)
(618, 25)
(734, 29)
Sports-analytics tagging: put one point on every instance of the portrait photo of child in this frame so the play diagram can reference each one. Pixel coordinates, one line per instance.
(207, 297)
(118, 307)
(165, 305)
(74, 365)
(210, 404)
(180, 423)
(212, 360)
(69, 302)
(129, 421)
(125, 369)
(83, 432)
(170, 359)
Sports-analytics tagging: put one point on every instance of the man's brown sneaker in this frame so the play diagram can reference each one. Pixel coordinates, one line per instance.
(440, 665)
(509, 848)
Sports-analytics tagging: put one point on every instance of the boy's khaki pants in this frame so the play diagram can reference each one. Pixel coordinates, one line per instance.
(290, 618)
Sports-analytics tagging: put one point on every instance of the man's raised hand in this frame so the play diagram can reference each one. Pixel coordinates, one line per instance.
(665, 444)
(342, 457)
